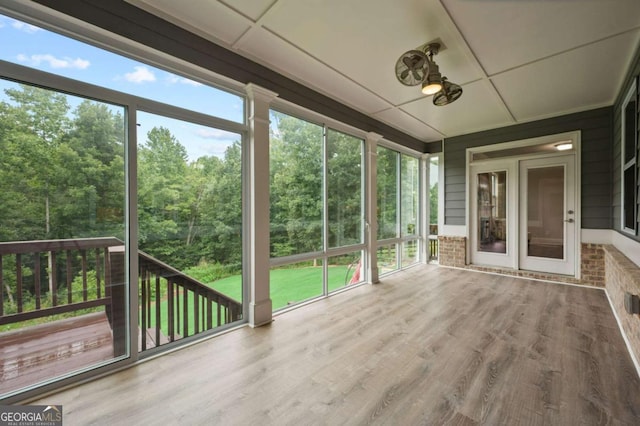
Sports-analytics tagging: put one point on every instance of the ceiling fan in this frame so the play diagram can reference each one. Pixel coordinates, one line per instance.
(416, 67)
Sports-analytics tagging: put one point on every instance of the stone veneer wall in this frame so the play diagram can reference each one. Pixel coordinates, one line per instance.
(452, 251)
(622, 275)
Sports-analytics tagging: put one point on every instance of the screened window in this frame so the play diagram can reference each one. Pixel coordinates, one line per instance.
(398, 198)
(296, 193)
(67, 190)
(410, 194)
(62, 229)
(387, 193)
(344, 188)
(316, 191)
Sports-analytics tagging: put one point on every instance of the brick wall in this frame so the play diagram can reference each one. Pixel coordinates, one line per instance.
(592, 265)
(622, 275)
(452, 251)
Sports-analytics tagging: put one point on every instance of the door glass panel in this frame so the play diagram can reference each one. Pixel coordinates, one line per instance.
(492, 212)
(545, 217)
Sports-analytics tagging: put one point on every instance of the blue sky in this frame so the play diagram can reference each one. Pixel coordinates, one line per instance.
(31, 46)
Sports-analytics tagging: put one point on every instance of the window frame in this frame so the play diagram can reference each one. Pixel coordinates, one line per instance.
(67, 27)
(326, 252)
(402, 239)
(631, 165)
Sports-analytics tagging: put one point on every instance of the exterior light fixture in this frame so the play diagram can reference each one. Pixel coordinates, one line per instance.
(564, 146)
(433, 83)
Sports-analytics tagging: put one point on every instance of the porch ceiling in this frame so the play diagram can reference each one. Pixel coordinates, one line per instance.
(516, 61)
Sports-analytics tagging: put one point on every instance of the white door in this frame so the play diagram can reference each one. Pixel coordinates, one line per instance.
(548, 215)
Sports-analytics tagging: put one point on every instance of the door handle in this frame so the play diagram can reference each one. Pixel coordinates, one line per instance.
(569, 220)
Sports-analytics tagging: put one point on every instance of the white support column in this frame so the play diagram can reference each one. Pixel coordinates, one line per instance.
(425, 185)
(371, 146)
(260, 306)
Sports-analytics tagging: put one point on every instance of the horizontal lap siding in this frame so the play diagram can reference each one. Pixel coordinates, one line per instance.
(596, 130)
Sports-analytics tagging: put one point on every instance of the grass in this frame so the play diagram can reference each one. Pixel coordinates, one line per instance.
(288, 286)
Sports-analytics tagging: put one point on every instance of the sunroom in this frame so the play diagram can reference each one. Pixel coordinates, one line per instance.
(172, 173)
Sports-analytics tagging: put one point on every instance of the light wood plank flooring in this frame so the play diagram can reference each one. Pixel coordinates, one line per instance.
(429, 346)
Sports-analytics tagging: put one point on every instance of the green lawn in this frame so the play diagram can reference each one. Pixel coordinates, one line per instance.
(288, 285)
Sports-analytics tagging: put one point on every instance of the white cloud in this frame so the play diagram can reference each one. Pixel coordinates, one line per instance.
(54, 62)
(216, 134)
(140, 75)
(27, 28)
(173, 79)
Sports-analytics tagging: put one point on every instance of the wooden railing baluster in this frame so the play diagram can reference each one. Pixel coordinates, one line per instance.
(19, 281)
(219, 313)
(170, 318)
(158, 320)
(53, 276)
(196, 311)
(83, 255)
(1, 288)
(36, 279)
(189, 303)
(177, 308)
(69, 277)
(143, 305)
(98, 275)
(185, 311)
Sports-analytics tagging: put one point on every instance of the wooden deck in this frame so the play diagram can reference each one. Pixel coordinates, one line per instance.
(430, 345)
(41, 352)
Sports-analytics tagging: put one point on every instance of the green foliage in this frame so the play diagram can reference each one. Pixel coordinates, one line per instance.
(387, 192)
(433, 204)
(296, 185)
(207, 272)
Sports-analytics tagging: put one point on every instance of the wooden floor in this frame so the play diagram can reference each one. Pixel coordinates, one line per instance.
(427, 346)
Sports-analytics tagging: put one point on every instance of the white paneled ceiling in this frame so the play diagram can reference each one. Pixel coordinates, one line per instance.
(516, 60)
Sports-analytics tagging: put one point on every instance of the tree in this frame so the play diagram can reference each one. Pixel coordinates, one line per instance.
(162, 171)
(387, 192)
(433, 204)
(41, 122)
(296, 186)
(344, 181)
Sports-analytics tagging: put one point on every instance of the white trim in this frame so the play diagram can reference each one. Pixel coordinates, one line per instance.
(632, 92)
(424, 207)
(624, 335)
(541, 140)
(453, 231)
(575, 136)
(627, 246)
(441, 189)
(596, 236)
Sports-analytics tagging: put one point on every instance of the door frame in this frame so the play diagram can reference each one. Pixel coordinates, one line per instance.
(515, 151)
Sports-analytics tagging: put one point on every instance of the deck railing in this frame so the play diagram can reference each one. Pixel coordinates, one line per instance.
(51, 277)
(174, 305)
